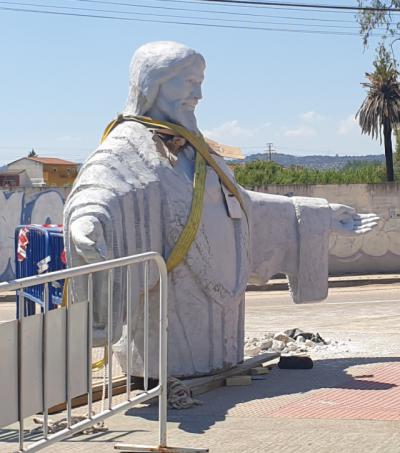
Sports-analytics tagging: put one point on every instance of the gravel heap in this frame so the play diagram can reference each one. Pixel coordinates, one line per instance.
(283, 343)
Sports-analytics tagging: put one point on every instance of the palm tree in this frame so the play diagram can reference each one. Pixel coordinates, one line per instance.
(380, 111)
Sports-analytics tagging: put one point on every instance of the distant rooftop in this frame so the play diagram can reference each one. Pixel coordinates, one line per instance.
(11, 172)
(52, 161)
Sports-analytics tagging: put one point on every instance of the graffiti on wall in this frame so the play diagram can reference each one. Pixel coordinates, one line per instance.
(382, 240)
(21, 208)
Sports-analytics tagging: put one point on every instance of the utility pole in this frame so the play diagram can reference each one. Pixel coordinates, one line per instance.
(270, 145)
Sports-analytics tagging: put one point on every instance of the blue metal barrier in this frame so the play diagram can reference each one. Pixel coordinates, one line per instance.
(39, 250)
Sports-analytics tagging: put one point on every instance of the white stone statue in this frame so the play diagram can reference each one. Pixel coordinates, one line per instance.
(134, 194)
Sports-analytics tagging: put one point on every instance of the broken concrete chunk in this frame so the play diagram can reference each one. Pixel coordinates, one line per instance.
(278, 345)
(266, 344)
(282, 337)
(252, 352)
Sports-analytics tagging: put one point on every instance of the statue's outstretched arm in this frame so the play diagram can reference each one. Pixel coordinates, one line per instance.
(346, 221)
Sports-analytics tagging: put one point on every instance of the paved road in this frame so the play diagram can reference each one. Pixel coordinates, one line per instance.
(348, 403)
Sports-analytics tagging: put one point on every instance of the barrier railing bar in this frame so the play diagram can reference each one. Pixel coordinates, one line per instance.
(109, 335)
(146, 327)
(90, 343)
(128, 334)
(68, 356)
(21, 312)
(14, 285)
(82, 425)
(44, 361)
(163, 371)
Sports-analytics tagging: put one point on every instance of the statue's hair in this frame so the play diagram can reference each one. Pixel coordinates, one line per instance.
(152, 64)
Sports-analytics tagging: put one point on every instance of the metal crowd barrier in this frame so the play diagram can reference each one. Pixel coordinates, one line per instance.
(51, 354)
(42, 254)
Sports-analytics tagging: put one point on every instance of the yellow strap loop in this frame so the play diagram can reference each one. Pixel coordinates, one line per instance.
(203, 157)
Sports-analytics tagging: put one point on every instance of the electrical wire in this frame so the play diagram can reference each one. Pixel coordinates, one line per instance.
(285, 6)
(183, 22)
(40, 5)
(304, 5)
(229, 13)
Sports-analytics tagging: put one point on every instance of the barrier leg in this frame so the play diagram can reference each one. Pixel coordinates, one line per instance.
(163, 373)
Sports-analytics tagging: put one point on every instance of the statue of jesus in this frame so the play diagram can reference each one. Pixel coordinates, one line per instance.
(151, 177)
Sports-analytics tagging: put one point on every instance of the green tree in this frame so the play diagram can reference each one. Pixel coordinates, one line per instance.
(32, 153)
(380, 17)
(262, 173)
(380, 112)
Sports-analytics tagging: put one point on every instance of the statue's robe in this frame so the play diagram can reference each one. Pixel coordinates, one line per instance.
(143, 202)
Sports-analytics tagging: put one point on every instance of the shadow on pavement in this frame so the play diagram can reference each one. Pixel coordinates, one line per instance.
(326, 374)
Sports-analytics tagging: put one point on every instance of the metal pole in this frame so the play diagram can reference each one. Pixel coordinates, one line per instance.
(109, 335)
(21, 310)
(68, 355)
(90, 343)
(163, 372)
(44, 361)
(146, 327)
(128, 328)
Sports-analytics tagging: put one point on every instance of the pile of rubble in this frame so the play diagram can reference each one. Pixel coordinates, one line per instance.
(290, 342)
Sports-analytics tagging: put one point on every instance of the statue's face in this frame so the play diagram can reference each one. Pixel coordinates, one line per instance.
(178, 96)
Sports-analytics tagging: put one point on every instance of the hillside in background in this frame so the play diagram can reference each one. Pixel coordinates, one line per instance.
(319, 162)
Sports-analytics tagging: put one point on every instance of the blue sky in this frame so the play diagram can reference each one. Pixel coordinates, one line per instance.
(63, 78)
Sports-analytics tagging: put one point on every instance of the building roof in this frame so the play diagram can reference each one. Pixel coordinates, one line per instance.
(52, 161)
(11, 172)
(46, 160)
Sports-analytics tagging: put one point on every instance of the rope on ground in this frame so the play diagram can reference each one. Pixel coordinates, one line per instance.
(180, 395)
(59, 425)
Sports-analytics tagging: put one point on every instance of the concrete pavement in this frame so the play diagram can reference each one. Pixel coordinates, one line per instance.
(349, 401)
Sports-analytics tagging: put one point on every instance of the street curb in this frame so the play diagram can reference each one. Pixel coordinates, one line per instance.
(282, 284)
(334, 282)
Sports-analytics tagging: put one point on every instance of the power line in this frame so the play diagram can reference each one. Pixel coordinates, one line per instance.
(285, 6)
(230, 13)
(40, 5)
(304, 5)
(196, 24)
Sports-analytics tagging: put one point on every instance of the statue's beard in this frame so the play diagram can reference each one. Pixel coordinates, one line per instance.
(184, 117)
(175, 112)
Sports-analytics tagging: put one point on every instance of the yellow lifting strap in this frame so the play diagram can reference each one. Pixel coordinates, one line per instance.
(203, 157)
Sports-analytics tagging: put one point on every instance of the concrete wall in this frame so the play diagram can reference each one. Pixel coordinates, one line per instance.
(24, 206)
(378, 251)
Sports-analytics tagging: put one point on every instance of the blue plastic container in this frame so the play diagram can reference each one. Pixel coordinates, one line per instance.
(43, 253)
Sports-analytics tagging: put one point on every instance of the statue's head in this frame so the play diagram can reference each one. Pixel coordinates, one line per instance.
(165, 82)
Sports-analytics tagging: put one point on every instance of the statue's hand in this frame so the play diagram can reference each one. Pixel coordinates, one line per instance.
(88, 238)
(345, 220)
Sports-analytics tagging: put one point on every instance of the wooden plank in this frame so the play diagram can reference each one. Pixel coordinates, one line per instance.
(119, 386)
(197, 385)
(205, 384)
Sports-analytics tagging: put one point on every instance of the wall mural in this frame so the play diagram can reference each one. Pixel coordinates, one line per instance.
(25, 207)
(384, 239)
(46, 206)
